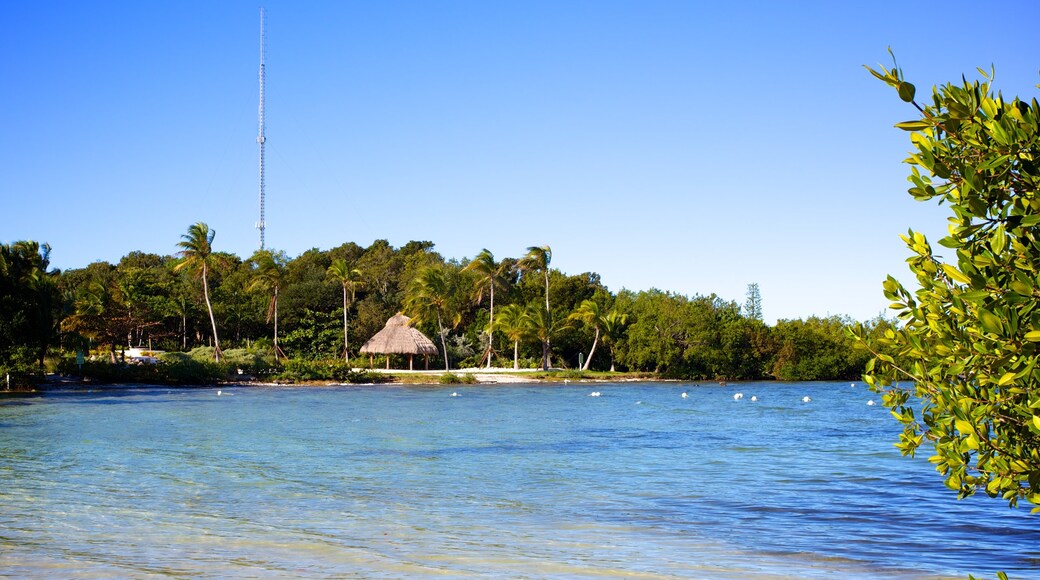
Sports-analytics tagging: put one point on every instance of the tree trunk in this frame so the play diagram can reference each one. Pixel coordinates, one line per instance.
(346, 347)
(212, 320)
(548, 317)
(595, 340)
(491, 324)
(277, 350)
(516, 355)
(444, 345)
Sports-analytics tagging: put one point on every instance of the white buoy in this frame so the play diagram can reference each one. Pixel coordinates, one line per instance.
(738, 396)
(753, 398)
(218, 393)
(852, 384)
(684, 395)
(870, 403)
(594, 394)
(806, 399)
(454, 394)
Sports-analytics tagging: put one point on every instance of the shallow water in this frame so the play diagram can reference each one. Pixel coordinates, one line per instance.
(507, 480)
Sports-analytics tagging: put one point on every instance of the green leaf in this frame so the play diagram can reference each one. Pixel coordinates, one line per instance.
(964, 427)
(913, 125)
(955, 274)
(1006, 379)
(990, 322)
(1033, 336)
(1021, 287)
(1036, 421)
(974, 295)
(906, 91)
(999, 242)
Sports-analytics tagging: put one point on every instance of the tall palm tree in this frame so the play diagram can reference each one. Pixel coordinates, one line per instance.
(537, 259)
(516, 324)
(490, 273)
(431, 298)
(197, 257)
(269, 275)
(590, 313)
(614, 325)
(350, 278)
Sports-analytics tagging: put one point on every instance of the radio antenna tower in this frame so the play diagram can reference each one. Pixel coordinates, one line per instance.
(260, 225)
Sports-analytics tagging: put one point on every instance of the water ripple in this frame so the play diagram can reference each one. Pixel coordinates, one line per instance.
(518, 481)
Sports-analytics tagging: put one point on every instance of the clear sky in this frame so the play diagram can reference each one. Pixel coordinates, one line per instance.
(688, 146)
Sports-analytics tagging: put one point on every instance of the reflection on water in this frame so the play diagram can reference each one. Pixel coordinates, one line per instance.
(503, 480)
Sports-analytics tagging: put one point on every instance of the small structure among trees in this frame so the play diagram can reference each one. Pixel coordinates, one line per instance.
(399, 337)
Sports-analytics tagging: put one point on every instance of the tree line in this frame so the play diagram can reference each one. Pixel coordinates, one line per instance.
(514, 312)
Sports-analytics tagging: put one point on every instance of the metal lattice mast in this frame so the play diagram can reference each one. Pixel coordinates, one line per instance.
(260, 225)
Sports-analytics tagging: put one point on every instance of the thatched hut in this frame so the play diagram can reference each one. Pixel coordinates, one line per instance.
(399, 337)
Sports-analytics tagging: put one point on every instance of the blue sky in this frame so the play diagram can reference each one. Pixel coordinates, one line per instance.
(687, 146)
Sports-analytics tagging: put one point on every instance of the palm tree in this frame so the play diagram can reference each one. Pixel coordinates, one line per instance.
(544, 328)
(537, 259)
(350, 278)
(490, 273)
(269, 275)
(589, 312)
(516, 324)
(614, 325)
(431, 298)
(95, 316)
(197, 257)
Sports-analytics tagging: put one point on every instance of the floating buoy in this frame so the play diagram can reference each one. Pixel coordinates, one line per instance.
(753, 398)
(806, 399)
(594, 394)
(454, 394)
(870, 403)
(684, 395)
(738, 396)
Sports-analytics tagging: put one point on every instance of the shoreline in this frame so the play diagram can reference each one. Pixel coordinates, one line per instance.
(480, 377)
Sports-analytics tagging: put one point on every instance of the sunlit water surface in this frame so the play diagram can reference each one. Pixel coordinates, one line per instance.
(515, 481)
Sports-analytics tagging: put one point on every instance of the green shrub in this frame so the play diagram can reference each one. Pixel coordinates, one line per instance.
(367, 377)
(174, 368)
(454, 379)
(298, 370)
(19, 377)
(251, 362)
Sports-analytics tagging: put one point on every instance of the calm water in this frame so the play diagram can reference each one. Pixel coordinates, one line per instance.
(516, 481)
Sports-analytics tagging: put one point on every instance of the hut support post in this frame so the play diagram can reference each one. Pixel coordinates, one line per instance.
(388, 361)
(427, 361)
(410, 362)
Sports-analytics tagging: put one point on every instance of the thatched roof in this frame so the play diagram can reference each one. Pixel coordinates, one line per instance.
(398, 337)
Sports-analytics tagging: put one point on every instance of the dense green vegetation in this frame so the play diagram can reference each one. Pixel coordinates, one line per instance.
(29, 305)
(323, 305)
(960, 371)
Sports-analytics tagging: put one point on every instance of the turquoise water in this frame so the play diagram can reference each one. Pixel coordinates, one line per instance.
(514, 481)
